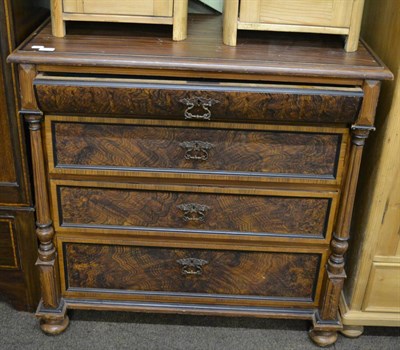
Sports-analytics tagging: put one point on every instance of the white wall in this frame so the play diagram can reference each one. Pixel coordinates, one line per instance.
(215, 4)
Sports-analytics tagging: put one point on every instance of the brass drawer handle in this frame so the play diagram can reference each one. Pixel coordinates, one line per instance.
(196, 150)
(193, 211)
(192, 266)
(198, 102)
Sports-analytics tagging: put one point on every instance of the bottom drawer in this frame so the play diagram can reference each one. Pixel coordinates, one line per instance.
(127, 272)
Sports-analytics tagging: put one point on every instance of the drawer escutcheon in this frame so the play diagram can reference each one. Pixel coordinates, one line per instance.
(192, 266)
(202, 103)
(194, 211)
(196, 150)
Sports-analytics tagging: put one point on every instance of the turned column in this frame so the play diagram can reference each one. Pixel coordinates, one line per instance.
(326, 321)
(52, 309)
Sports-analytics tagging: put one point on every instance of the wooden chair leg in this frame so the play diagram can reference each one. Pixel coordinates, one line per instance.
(231, 12)
(354, 33)
(57, 22)
(179, 31)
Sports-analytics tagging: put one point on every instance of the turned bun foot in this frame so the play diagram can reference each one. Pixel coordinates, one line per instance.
(54, 327)
(352, 331)
(323, 338)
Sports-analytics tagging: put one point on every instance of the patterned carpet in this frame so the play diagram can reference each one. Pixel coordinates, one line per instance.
(117, 330)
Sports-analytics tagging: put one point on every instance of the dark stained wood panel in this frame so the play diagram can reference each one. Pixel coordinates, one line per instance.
(221, 273)
(150, 46)
(19, 281)
(232, 214)
(27, 15)
(13, 187)
(228, 102)
(125, 147)
(7, 163)
(17, 20)
(8, 247)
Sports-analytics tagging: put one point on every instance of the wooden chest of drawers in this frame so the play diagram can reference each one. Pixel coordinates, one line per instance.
(183, 180)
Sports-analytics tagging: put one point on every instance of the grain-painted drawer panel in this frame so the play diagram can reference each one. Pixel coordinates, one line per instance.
(158, 273)
(110, 146)
(183, 100)
(186, 209)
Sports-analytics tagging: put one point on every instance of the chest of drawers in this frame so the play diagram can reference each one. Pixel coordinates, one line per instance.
(194, 177)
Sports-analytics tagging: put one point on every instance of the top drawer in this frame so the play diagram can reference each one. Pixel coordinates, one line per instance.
(197, 100)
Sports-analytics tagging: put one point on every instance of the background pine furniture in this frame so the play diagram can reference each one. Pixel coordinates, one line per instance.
(310, 16)
(372, 292)
(172, 12)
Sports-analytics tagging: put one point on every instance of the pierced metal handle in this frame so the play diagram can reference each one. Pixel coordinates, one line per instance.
(194, 211)
(198, 102)
(192, 266)
(196, 150)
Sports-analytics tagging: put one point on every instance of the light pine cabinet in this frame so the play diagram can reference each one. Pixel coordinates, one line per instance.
(172, 12)
(134, 8)
(372, 290)
(310, 16)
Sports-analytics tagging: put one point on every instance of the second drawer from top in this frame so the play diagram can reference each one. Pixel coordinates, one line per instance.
(126, 147)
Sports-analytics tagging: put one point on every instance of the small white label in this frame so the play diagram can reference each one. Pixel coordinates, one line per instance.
(48, 49)
(43, 48)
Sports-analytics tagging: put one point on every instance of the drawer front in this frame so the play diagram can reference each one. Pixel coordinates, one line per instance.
(331, 13)
(160, 273)
(116, 207)
(94, 145)
(8, 249)
(120, 7)
(196, 101)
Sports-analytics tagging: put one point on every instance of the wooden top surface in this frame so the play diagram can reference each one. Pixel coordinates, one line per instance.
(150, 46)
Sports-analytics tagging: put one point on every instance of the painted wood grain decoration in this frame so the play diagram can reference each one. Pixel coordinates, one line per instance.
(161, 270)
(131, 209)
(98, 96)
(101, 146)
